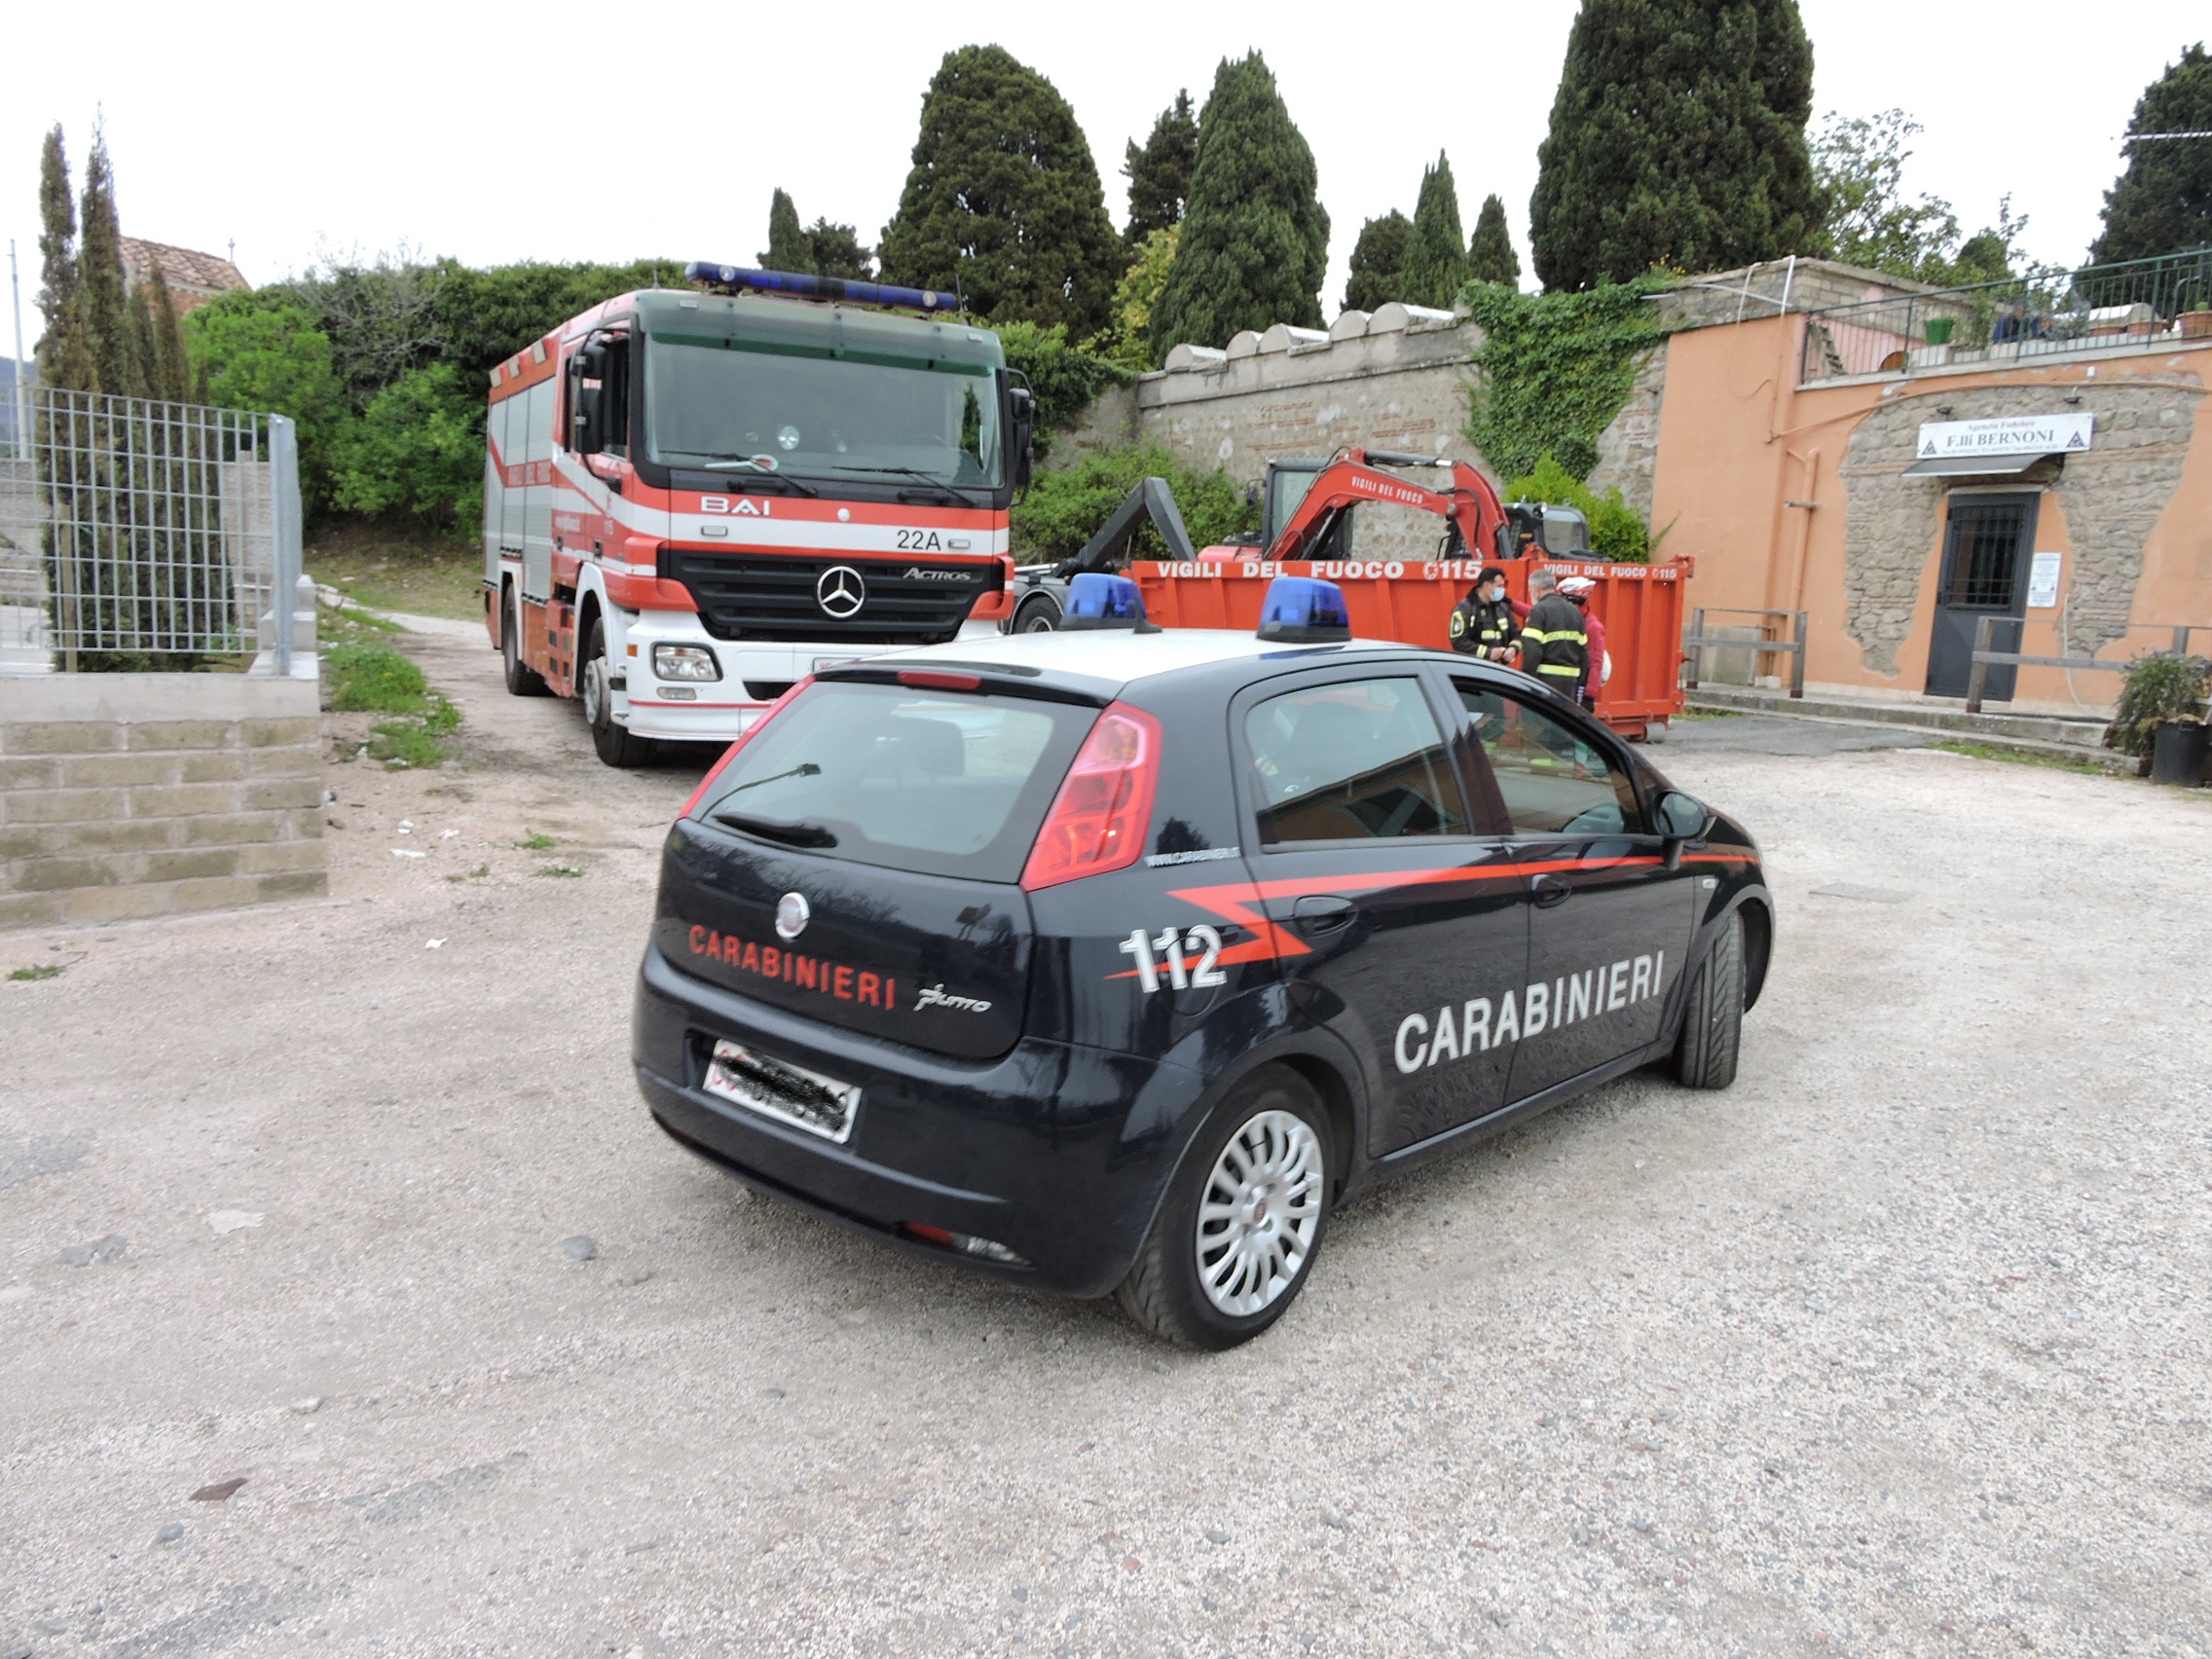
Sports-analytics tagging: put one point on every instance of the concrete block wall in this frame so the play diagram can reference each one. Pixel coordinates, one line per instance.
(125, 796)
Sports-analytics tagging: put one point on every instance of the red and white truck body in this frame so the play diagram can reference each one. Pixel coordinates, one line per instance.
(693, 500)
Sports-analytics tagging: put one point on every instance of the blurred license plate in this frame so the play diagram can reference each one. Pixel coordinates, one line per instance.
(790, 1095)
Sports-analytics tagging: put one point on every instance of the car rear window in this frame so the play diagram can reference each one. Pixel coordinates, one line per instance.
(942, 782)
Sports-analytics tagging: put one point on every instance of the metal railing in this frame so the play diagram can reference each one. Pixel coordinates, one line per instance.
(1697, 641)
(1986, 658)
(137, 535)
(2143, 301)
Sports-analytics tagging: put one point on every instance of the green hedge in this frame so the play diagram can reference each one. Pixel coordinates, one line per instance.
(1066, 509)
(1615, 530)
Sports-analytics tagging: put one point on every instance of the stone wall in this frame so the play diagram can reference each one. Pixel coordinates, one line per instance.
(2112, 495)
(145, 795)
(1398, 379)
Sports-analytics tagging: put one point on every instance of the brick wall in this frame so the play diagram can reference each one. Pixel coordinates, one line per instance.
(145, 795)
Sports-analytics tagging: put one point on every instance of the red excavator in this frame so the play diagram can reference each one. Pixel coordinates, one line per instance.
(1306, 519)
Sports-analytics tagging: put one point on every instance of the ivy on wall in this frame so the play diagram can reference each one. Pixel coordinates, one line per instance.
(1555, 369)
(1065, 376)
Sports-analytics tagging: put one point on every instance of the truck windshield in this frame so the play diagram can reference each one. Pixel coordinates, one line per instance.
(833, 418)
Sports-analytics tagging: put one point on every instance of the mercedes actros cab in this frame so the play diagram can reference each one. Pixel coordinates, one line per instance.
(695, 498)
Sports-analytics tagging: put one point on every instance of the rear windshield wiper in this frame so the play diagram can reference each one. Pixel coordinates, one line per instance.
(752, 463)
(791, 835)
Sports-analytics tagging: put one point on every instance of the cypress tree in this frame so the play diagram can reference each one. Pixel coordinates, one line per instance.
(787, 247)
(1490, 257)
(171, 375)
(61, 357)
(1436, 264)
(837, 253)
(1003, 200)
(2162, 202)
(1379, 262)
(1678, 138)
(1160, 172)
(1255, 239)
(109, 343)
(138, 328)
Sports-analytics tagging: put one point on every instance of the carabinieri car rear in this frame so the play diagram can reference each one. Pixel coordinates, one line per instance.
(1115, 959)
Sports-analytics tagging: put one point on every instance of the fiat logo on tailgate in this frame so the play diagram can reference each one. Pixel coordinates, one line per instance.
(791, 916)
(840, 592)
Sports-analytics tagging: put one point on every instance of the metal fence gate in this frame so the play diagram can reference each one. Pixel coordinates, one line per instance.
(137, 535)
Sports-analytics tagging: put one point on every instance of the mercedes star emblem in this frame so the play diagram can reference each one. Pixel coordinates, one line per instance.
(840, 592)
(791, 916)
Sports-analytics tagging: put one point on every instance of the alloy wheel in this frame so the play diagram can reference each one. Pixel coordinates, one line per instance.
(1259, 1213)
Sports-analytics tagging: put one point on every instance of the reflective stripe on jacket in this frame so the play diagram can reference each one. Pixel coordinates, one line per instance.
(1478, 628)
(1555, 643)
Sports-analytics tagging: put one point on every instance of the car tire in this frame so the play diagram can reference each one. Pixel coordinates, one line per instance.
(1040, 613)
(594, 686)
(522, 680)
(1713, 1022)
(1242, 1219)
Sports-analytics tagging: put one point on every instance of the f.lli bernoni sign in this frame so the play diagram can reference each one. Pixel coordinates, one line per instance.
(2008, 434)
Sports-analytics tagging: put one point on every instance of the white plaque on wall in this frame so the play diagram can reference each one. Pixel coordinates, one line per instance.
(2043, 580)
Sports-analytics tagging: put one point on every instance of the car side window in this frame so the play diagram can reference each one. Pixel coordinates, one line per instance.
(1358, 760)
(1552, 781)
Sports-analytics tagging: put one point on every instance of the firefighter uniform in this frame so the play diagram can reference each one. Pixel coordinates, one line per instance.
(1555, 644)
(1483, 629)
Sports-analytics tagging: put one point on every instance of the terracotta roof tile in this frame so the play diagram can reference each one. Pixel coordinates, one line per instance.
(182, 267)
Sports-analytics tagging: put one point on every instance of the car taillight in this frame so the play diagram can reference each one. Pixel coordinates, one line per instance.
(1100, 816)
(743, 738)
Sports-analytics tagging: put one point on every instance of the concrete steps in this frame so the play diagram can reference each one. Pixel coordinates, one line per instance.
(2082, 739)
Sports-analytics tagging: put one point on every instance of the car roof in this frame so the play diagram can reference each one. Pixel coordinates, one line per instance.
(1100, 659)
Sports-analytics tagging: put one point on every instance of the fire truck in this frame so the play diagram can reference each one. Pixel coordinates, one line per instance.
(695, 497)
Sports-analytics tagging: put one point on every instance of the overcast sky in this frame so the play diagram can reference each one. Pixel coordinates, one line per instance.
(560, 132)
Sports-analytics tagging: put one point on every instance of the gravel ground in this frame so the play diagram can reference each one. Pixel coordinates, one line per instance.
(1897, 1346)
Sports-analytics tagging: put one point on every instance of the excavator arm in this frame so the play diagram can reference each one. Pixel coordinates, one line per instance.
(1469, 502)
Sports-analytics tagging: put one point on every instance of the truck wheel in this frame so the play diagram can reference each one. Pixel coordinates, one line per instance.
(1242, 1219)
(615, 746)
(522, 680)
(1712, 1023)
(1040, 613)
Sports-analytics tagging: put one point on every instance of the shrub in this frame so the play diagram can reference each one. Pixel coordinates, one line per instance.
(1066, 509)
(2157, 687)
(1615, 530)
(420, 448)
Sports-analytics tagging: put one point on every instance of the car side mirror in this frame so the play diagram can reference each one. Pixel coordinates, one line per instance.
(1021, 417)
(1682, 817)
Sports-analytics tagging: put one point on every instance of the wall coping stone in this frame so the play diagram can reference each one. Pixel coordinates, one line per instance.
(131, 698)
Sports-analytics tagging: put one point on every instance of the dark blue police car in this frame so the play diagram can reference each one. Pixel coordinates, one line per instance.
(1114, 959)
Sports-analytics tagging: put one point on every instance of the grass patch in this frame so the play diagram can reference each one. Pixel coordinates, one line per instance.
(378, 679)
(535, 841)
(566, 871)
(1711, 714)
(477, 873)
(44, 971)
(2028, 758)
(400, 569)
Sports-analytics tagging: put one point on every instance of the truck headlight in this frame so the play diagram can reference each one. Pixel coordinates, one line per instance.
(685, 662)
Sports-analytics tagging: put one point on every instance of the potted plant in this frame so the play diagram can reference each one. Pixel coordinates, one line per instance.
(2159, 719)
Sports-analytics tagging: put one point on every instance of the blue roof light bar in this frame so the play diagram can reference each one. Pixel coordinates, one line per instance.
(1303, 611)
(1096, 600)
(734, 279)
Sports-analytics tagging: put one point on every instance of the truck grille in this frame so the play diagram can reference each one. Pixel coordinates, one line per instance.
(755, 596)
